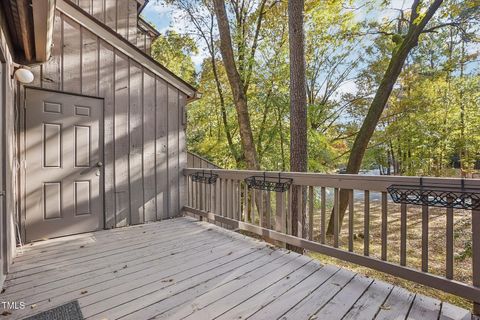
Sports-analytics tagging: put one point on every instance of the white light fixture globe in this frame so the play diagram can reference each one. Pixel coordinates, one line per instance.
(24, 75)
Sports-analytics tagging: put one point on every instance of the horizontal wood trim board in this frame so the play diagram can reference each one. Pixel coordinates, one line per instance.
(122, 45)
(344, 181)
(450, 286)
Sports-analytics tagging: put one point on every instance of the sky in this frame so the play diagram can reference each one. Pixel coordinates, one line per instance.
(166, 17)
(159, 14)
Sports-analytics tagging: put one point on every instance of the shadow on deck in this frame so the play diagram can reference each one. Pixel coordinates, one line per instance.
(186, 269)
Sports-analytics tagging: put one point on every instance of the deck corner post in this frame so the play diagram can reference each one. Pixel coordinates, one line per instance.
(476, 252)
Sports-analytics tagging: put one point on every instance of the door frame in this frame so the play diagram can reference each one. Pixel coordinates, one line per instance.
(3, 185)
(22, 151)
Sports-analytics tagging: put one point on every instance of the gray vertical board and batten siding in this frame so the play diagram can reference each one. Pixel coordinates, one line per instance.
(121, 16)
(8, 148)
(144, 41)
(144, 134)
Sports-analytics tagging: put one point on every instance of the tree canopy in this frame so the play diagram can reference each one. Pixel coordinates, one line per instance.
(429, 124)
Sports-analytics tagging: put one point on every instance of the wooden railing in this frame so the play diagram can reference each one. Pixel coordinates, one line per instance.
(417, 243)
(196, 161)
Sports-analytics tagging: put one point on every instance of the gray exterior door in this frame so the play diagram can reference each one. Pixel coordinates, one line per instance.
(64, 160)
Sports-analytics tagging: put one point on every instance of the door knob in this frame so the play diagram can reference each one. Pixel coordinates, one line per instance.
(99, 164)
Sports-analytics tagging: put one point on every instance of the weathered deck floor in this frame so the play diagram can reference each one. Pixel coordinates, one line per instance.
(185, 269)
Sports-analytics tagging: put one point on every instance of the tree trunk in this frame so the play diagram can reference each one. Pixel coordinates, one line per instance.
(223, 111)
(236, 84)
(298, 112)
(416, 26)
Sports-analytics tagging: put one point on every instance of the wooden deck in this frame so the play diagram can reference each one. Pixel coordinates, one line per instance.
(186, 269)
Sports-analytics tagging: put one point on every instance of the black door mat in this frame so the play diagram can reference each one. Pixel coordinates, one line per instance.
(68, 311)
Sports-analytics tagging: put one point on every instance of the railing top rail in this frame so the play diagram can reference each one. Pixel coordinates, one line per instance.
(346, 181)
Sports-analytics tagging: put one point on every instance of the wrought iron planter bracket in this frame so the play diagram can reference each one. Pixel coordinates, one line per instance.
(277, 184)
(436, 196)
(204, 177)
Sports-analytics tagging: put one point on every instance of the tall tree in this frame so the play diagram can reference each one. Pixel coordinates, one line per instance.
(238, 85)
(298, 108)
(175, 51)
(419, 17)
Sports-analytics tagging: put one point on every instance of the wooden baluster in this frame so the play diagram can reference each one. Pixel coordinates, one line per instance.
(230, 198)
(193, 195)
(224, 197)
(449, 244)
(310, 212)
(366, 224)
(424, 238)
(198, 195)
(234, 200)
(207, 197)
(204, 196)
(189, 196)
(260, 209)
(220, 197)
(210, 197)
(280, 225)
(289, 211)
(197, 203)
(403, 234)
(476, 251)
(300, 212)
(384, 225)
(268, 224)
(242, 201)
(239, 201)
(336, 214)
(350, 220)
(323, 210)
(198, 198)
(253, 192)
(278, 211)
(283, 220)
(245, 202)
(217, 196)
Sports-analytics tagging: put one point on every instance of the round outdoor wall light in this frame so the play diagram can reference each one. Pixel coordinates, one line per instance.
(23, 75)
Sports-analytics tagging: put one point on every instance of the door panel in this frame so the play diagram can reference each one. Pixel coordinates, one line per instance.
(64, 145)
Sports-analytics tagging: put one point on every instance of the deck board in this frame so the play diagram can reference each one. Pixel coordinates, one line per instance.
(186, 269)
